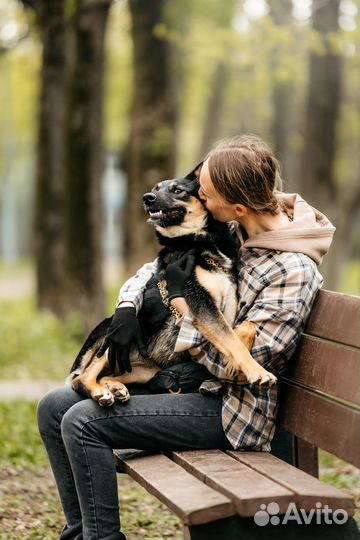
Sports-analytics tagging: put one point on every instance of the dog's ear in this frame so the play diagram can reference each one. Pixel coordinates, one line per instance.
(195, 173)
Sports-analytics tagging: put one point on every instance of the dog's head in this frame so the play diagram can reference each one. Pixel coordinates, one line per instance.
(174, 206)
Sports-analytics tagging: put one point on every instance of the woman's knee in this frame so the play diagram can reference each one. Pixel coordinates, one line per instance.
(76, 418)
(52, 407)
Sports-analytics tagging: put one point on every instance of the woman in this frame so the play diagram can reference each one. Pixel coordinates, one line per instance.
(283, 240)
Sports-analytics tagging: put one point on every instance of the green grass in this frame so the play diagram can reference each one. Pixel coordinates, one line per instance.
(339, 473)
(20, 440)
(37, 344)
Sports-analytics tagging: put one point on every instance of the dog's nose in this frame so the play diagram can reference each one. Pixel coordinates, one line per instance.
(149, 197)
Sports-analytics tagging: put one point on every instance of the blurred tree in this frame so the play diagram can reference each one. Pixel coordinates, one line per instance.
(118, 78)
(250, 44)
(213, 117)
(151, 150)
(282, 90)
(84, 159)
(319, 183)
(322, 106)
(48, 230)
(211, 129)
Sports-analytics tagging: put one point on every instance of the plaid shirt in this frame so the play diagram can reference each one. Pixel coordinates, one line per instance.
(276, 292)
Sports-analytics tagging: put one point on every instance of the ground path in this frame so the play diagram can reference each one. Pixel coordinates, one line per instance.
(28, 390)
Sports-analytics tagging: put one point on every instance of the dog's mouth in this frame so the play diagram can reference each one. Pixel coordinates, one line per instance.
(166, 217)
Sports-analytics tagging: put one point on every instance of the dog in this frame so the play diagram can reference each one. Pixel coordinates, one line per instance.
(182, 224)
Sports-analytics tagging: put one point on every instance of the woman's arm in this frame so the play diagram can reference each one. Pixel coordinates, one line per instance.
(133, 289)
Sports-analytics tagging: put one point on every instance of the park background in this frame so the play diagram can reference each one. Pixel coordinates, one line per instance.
(100, 99)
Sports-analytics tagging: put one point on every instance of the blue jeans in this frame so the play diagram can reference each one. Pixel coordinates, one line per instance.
(79, 436)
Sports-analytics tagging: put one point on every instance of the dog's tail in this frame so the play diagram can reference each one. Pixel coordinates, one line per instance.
(98, 333)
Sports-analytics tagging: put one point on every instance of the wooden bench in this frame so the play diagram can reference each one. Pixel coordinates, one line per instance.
(217, 494)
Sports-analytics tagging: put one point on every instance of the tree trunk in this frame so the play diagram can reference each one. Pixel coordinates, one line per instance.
(48, 240)
(318, 180)
(151, 149)
(84, 161)
(323, 107)
(282, 90)
(214, 111)
(213, 124)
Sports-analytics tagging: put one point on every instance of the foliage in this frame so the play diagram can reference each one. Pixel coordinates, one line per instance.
(36, 345)
(19, 92)
(351, 280)
(21, 443)
(258, 54)
(202, 36)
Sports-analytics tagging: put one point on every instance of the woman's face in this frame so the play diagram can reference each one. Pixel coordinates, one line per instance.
(219, 208)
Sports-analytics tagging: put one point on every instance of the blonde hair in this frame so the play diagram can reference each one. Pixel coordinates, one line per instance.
(245, 171)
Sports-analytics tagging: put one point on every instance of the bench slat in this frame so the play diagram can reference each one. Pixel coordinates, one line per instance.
(327, 367)
(308, 490)
(190, 499)
(244, 486)
(321, 422)
(335, 316)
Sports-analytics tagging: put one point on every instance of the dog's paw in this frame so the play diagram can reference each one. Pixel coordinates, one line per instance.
(259, 375)
(103, 396)
(254, 373)
(118, 390)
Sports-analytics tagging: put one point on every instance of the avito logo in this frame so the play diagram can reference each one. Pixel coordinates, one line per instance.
(320, 514)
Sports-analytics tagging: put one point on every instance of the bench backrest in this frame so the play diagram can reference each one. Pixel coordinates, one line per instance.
(320, 394)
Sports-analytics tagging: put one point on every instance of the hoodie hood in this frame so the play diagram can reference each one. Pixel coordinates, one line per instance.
(310, 232)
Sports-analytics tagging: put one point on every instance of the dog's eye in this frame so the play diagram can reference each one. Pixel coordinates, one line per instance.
(177, 191)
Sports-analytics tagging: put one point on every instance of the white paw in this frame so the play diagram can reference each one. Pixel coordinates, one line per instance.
(104, 398)
(261, 376)
(120, 393)
(254, 374)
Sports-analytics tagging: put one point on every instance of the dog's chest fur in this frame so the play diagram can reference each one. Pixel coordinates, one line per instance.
(210, 284)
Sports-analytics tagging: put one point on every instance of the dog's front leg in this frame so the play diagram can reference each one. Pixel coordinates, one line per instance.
(139, 375)
(237, 357)
(246, 331)
(233, 344)
(86, 383)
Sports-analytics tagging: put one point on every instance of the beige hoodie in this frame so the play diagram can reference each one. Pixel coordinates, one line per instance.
(309, 232)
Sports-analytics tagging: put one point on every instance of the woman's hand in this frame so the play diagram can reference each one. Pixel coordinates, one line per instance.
(123, 331)
(178, 273)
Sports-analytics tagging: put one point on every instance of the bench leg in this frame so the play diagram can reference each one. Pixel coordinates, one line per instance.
(236, 528)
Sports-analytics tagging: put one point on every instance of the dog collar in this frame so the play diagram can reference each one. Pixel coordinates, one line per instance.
(165, 299)
(163, 291)
(217, 265)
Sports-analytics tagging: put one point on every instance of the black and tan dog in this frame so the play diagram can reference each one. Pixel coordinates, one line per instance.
(182, 223)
